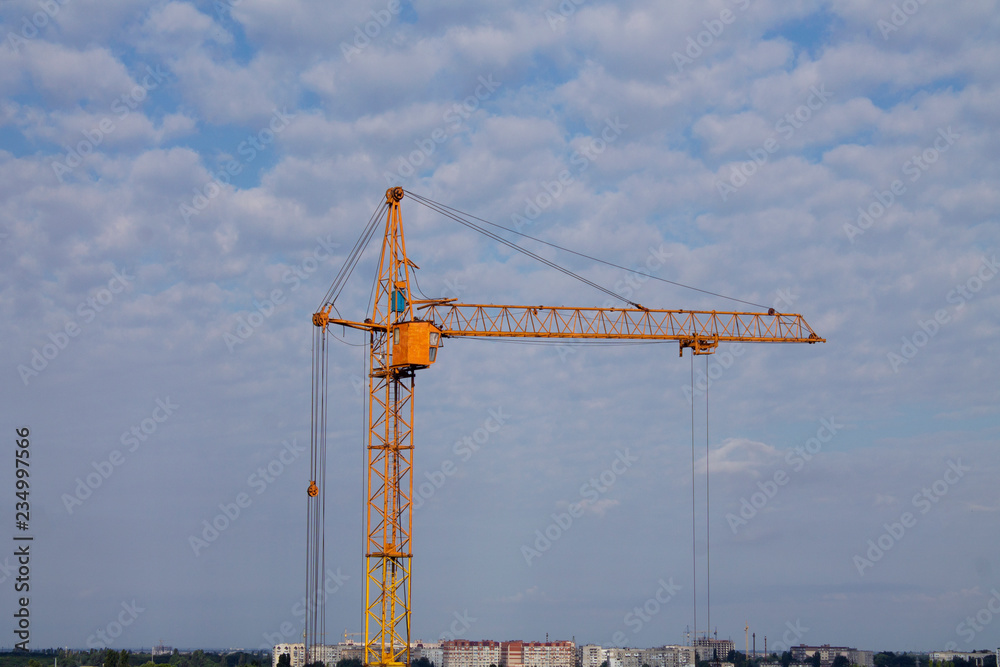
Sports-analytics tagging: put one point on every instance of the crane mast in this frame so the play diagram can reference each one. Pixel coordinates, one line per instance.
(402, 341)
(388, 521)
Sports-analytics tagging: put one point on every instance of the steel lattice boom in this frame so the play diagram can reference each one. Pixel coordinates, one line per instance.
(690, 328)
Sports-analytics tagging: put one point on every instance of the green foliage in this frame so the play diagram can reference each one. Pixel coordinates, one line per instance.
(816, 659)
(841, 661)
(238, 659)
(284, 660)
(422, 661)
(111, 658)
(786, 658)
(350, 662)
(890, 659)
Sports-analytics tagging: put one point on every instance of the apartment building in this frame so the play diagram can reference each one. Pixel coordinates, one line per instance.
(711, 649)
(827, 654)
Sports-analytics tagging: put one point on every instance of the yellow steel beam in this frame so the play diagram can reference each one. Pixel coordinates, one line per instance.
(700, 330)
(388, 524)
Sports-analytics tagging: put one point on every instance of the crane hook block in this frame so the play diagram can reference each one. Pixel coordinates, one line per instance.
(313, 489)
(321, 319)
(393, 195)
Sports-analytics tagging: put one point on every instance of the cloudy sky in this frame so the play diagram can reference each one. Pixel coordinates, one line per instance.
(181, 181)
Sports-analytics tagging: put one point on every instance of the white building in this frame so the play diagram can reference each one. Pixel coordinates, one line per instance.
(975, 657)
(430, 650)
(465, 653)
(827, 654)
(591, 655)
(668, 656)
(296, 652)
(328, 654)
(623, 657)
(546, 654)
(161, 650)
(713, 649)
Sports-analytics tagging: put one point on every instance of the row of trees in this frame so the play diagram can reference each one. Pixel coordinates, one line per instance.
(123, 658)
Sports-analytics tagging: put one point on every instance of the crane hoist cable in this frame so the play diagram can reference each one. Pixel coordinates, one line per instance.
(434, 206)
(354, 256)
(694, 550)
(422, 200)
(708, 513)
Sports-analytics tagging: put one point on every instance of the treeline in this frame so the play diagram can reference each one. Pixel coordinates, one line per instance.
(111, 658)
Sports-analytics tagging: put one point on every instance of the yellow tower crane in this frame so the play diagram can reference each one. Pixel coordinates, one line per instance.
(404, 337)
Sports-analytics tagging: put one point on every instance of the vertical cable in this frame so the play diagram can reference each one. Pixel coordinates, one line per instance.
(364, 486)
(708, 542)
(312, 422)
(694, 554)
(321, 580)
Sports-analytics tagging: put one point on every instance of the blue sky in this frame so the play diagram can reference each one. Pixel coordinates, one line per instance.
(835, 159)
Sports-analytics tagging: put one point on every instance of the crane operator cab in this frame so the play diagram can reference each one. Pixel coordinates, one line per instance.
(415, 344)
